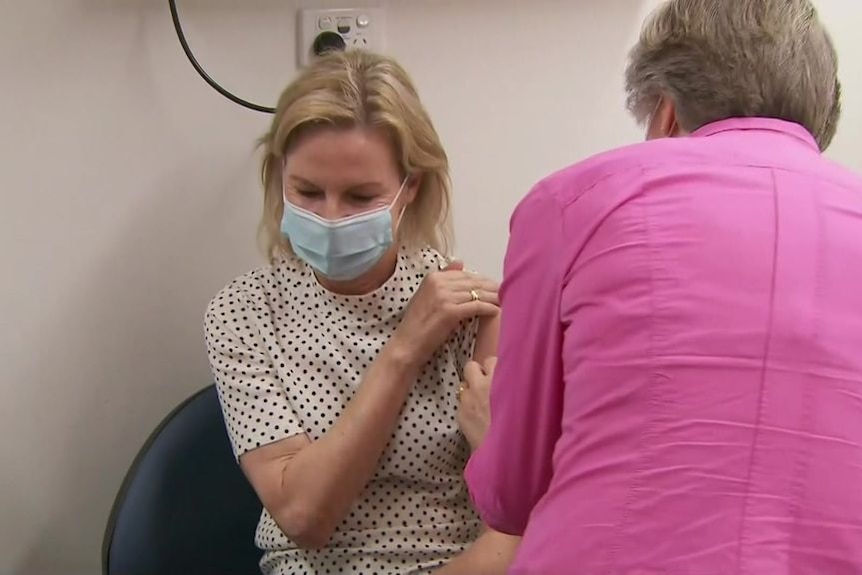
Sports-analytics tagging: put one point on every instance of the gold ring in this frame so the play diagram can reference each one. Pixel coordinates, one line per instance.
(474, 295)
(461, 389)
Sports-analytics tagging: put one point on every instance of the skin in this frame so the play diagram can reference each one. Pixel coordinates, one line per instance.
(309, 487)
(474, 411)
(664, 122)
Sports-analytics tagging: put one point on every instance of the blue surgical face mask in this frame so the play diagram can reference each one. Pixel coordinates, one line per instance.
(341, 250)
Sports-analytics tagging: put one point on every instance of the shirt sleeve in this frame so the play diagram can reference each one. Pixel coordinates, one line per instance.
(255, 405)
(512, 469)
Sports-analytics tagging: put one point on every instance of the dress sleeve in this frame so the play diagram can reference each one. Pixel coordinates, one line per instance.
(254, 403)
(511, 470)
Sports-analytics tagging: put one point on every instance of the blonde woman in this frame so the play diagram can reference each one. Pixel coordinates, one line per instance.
(338, 365)
(679, 386)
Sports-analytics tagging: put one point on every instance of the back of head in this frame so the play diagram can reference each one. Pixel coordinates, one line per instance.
(360, 89)
(720, 59)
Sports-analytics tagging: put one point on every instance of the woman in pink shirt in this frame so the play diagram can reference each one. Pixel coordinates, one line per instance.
(679, 387)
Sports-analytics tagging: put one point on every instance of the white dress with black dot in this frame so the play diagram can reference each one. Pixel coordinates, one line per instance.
(288, 355)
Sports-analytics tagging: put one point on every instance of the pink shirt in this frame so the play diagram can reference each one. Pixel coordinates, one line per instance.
(679, 389)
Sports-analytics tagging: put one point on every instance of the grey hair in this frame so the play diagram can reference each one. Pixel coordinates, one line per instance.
(719, 59)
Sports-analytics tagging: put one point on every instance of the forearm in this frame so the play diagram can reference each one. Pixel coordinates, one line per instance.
(512, 468)
(323, 480)
(491, 554)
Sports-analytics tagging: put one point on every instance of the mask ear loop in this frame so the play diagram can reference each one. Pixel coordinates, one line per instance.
(404, 208)
(651, 119)
(284, 184)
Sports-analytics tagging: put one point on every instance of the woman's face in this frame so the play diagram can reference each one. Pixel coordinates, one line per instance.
(337, 173)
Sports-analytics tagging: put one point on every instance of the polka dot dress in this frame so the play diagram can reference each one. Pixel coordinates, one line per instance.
(288, 355)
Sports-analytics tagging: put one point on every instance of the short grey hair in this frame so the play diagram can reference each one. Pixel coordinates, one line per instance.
(719, 59)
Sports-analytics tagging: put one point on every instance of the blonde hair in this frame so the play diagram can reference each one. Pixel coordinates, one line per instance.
(360, 89)
(718, 59)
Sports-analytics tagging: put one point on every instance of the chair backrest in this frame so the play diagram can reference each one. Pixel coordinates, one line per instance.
(184, 507)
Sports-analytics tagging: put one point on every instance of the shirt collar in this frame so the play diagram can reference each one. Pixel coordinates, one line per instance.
(758, 124)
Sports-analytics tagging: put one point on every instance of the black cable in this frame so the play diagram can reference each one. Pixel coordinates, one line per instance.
(182, 37)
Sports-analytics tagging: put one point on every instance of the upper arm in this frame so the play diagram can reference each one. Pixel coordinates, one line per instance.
(255, 405)
(264, 430)
(512, 468)
(487, 337)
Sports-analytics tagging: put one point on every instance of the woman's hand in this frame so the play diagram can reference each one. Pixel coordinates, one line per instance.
(443, 301)
(474, 410)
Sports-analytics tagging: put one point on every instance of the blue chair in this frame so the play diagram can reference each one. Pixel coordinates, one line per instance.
(184, 507)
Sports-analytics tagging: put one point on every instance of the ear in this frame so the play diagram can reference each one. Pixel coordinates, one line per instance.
(663, 123)
(411, 189)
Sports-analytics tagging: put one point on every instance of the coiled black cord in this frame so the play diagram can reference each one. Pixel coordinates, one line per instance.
(182, 37)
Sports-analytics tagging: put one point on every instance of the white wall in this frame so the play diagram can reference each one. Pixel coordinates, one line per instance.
(129, 198)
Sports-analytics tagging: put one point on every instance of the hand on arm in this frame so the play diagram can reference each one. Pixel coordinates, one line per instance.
(493, 552)
(511, 469)
(309, 487)
(474, 410)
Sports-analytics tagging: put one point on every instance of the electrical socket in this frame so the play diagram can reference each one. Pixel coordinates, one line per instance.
(359, 28)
